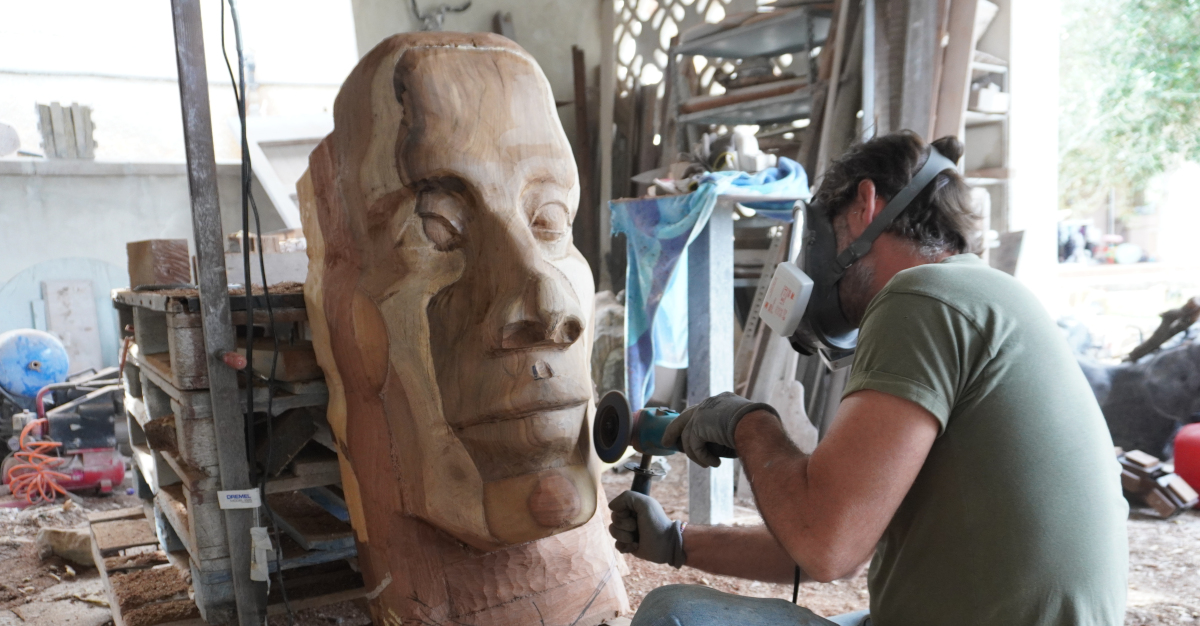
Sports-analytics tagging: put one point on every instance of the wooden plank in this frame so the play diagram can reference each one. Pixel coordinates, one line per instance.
(63, 149)
(108, 590)
(290, 482)
(710, 353)
(315, 460)
(647, 114)
(318, 601)
(921, 48)
(956, 70)
(71, 314)
(608, 83)
(78, 126)
(308, 523)
(46, 127)
(137, 409)
(290, 433)
(296, 362)
(89, 146)
(193, 479)
(158, 262)
(154, 468)
(587, 223)
(113, 536)
(132, 512)
(330, 501)
(158, 371)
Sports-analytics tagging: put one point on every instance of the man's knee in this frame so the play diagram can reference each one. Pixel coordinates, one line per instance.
(659, 607)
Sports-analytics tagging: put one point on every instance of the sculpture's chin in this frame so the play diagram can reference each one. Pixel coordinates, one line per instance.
(537, 505)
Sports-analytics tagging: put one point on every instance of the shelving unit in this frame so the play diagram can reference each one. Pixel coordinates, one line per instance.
(173, 436)
(986, 155)
(795, 31)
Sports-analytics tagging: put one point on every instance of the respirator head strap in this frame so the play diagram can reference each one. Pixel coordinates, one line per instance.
(935, 164)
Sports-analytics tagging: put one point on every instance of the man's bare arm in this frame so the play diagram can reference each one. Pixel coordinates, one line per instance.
(829, 510)
(749, 552)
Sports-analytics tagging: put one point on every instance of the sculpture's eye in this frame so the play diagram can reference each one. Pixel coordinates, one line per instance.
(441, 216)
(550, 222)
(441, 232)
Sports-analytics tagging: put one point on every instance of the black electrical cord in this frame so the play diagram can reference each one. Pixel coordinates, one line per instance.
(260, 477)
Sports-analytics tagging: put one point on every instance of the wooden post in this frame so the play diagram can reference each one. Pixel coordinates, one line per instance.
(870, 118)
(921, 48)
(710, 352)
(608, 84)
(214, 299)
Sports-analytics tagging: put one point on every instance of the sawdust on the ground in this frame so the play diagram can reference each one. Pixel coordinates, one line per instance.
(1164, 563)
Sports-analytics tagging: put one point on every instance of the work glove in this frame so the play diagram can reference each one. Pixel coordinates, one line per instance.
(705, 431)
(642, 529)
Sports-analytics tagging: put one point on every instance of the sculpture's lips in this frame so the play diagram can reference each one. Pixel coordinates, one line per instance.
(523, 398)
(519, 412)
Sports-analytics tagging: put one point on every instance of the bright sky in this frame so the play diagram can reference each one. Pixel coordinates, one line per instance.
(293, 41)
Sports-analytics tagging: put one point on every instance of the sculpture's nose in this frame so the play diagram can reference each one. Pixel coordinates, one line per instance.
(539, 307)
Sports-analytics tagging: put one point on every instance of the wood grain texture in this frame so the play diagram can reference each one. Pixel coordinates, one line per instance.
(450, 312)
(159, 262)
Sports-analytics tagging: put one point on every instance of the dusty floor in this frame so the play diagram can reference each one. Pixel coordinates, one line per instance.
(1164, 577)
(1164, 560)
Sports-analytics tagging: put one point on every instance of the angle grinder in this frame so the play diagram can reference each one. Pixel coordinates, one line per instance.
(616, 428)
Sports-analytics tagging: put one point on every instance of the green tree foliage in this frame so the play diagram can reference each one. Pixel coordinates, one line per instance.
(1130, 102)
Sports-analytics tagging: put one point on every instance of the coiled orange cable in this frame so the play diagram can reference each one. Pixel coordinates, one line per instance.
(35, 478)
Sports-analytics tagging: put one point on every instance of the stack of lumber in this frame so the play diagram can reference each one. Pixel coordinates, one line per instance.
(1144, 477)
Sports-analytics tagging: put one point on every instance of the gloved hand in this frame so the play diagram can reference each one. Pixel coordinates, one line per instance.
(705, 428)
(642, 529)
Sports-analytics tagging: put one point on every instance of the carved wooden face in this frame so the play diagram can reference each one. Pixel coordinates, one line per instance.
(480, 237)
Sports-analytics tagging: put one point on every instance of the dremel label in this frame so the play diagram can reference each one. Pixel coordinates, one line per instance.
(239, 499)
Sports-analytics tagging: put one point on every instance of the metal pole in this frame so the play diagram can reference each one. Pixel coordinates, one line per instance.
(214, 299)
(868, 71)
(710, 353)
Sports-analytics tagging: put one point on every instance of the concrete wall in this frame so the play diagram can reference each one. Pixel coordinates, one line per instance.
(545, 28)
(53, 209)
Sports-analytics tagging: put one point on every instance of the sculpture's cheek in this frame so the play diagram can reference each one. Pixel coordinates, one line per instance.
(369, 327)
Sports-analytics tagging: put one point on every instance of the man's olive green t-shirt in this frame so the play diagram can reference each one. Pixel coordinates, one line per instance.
(1016, 518)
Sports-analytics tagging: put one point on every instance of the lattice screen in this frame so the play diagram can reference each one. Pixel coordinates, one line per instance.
(644, 31)
(645, 28)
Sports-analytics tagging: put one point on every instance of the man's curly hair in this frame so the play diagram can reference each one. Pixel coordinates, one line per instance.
(939, 220)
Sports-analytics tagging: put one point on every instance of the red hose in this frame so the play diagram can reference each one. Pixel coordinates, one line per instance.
(34, 477)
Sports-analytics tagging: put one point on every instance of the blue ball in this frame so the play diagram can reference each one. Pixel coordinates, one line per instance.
(29, 360)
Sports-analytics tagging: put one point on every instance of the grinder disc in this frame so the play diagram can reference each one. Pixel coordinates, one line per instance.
(611, 429)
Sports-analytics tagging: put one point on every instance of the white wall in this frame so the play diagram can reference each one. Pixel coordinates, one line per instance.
(55, 209)
(545, 28)
(121, 62)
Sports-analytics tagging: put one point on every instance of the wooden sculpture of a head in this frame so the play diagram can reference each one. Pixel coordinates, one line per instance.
(456, 307)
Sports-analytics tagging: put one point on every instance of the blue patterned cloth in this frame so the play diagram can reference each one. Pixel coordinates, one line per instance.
(658, 232)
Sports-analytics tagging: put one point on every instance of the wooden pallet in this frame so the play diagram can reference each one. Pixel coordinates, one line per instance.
(136, 551)
(144, 588)
(174, 441)
(168, 331)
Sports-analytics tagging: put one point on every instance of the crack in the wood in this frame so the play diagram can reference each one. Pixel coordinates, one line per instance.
(595, 594)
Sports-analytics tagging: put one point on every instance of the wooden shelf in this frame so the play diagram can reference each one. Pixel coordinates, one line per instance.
(769, 37)
(784, 108)
(975, 118)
